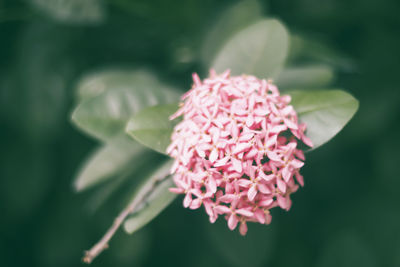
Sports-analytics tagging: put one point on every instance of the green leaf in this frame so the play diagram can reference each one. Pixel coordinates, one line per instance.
(107, 161)
(312, 76)
(152, 126)
(260, 49)
(72, 11)
(153, 203)
(114, 97)
(231, 21)
(109, 191)
(325, 112)
(119, 188)
(95, 83)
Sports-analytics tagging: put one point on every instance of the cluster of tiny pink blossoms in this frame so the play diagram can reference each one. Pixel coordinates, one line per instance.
(236, 149)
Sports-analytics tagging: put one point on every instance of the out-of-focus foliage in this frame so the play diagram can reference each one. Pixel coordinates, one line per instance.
(154, 196)
(109, 99)
(232, 20)
(347, 213)
(71, 11)
(305, 77)
(259, 49)
(107, 161)
(152, 126)
(325, 112)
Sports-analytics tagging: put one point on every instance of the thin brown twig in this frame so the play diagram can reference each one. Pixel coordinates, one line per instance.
(91, 254)
(103, 243)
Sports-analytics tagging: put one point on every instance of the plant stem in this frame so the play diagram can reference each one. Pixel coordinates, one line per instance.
(103, 243)
(144, 193)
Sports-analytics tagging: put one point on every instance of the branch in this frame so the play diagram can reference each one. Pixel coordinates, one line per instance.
(103, 243)
(91, 254)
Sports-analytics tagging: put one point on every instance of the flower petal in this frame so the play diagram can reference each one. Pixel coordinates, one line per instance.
(263, 189)
(176, 190)
(222, 209)
(227, 198)
(244, 182)
(232, 222)
(281, 185)
(251, 194)
(237, 165)
(282, 202)
(213, 155)
(244, 212)
(243, 228)
(187, 200)
(195, 204)
(260, 216)
(221, 162)
(286, 173)
(266, 202)
(212, 184)
(241, 147)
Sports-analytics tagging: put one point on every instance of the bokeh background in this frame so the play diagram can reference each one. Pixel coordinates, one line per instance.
(347, 214)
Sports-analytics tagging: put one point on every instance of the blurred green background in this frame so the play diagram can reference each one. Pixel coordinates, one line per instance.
(347, 214)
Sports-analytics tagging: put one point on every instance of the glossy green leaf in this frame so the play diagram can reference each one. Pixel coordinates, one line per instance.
(325, 112)
(231, 21)
(72, 11)
(153, 197)
(260, 49)
(307, 77)
(152, 126)
(110, 99)
(108, 160)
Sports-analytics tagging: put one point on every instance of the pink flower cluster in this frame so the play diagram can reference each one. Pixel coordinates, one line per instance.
(236, 149)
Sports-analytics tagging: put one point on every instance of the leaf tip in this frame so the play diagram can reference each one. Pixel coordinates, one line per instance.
(126, 227)
(78, 185)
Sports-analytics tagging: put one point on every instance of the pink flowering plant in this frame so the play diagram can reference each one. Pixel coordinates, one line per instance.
(236, 141)
(236, 149)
